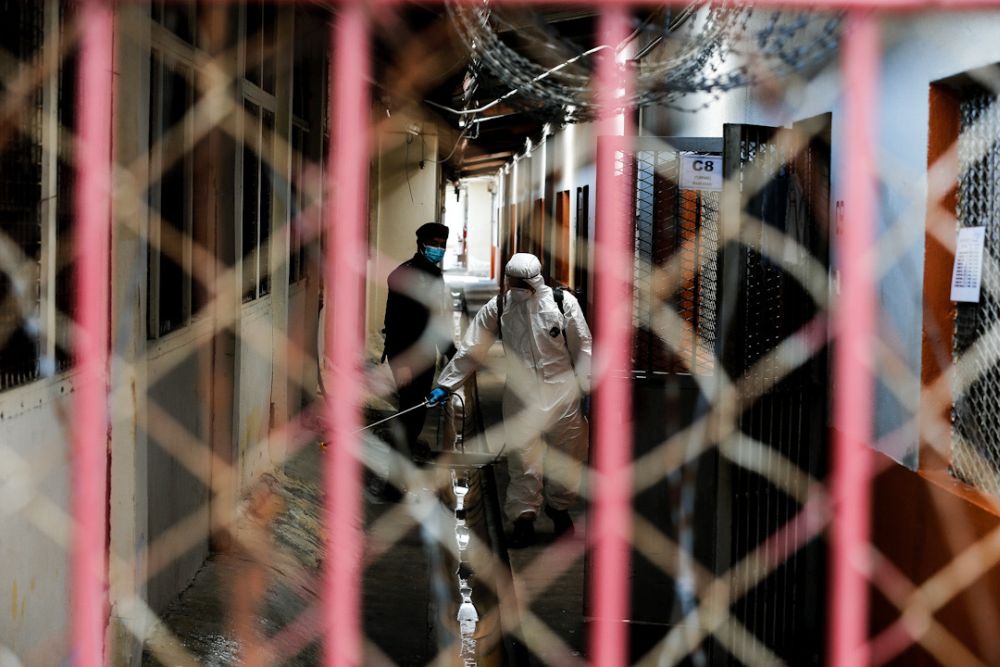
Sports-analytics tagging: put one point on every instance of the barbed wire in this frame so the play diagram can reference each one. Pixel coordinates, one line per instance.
(698, 49)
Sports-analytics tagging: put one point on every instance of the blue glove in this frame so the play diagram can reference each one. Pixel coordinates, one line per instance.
(436, 396)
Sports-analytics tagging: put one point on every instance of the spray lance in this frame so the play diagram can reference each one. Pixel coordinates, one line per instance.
(390, 418)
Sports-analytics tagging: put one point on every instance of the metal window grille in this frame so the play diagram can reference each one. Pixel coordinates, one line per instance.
(65, 294)
(256, 201)
(976, 414)
(260, 44)
(784, 410)
(297, 248)
(20, 199)
(179, 18)
(171, 196)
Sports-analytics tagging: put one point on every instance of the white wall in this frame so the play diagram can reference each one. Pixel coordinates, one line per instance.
(177, 408)
(404, 196)
(35, 520)
(919, 49)
(473, 213)
(455, 214)
(479, 242)
(253, 392)
(565, 160)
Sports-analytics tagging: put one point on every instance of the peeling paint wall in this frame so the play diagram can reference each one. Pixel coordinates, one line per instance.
(34, 521)
(178, 474)
(302, 331)
(162, 425)
(253, 391)
(405, 195)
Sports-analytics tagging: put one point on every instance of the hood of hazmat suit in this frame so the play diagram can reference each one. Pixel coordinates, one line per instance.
(528, 269)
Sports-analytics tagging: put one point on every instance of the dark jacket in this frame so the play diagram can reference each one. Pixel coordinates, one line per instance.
(417, 309)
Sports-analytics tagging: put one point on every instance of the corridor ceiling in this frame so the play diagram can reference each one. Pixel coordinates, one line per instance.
(421, 62)
(491, 75)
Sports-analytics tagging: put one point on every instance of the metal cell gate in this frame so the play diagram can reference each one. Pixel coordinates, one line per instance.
(745, 299)
(976, 413)
(676, 234)
(675, 308)
(773, 318)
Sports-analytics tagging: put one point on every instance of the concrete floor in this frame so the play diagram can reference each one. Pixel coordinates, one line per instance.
(235, 601)
(548, 576)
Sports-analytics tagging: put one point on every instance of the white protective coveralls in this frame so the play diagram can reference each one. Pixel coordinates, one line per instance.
(545, 375)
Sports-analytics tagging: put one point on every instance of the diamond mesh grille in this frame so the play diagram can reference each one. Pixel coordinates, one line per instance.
(730, 500)
(676, 236)
(785, 409)
(976, 417)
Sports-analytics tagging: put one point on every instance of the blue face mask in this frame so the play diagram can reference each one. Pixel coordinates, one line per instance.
(433, 254)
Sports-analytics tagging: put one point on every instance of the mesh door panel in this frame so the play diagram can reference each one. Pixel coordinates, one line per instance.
(675, 267)
(976, 417)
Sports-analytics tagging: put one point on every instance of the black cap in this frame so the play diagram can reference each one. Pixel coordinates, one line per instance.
(432, 230)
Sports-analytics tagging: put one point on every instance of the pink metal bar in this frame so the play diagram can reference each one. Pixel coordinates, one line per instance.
(819, 5)
(90, 344)
(855, 327)
(344, 272)
(612, 488)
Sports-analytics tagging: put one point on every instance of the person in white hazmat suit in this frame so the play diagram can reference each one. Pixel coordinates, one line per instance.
(547, 346)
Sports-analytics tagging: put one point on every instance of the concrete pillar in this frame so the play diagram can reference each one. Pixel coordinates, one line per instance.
(129, 444)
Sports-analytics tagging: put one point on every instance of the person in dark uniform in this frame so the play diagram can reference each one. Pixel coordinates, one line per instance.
(418, 326)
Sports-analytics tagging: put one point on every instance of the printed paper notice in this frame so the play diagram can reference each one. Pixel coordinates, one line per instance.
(967, 273)
(701, 172)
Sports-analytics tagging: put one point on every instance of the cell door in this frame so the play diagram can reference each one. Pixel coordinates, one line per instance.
(676, 225)
(729, 382)
(772, 345)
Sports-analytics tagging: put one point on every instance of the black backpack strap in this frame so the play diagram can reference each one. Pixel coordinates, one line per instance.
(500, 299)
(558, 294)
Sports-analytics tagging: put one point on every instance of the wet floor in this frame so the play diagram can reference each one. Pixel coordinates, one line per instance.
(421, 603)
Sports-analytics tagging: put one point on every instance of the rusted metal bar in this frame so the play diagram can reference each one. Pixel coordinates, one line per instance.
(612, 446)
(344, 272)
(90, 344)
(855, 329)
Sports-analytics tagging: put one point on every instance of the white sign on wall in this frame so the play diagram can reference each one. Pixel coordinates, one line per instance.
(701, 172)
(966, 275)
